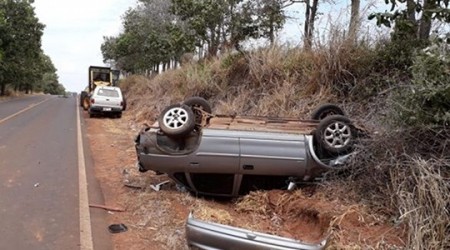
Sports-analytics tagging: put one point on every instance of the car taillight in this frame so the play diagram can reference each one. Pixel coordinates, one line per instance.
(92, 100)
(121, 103)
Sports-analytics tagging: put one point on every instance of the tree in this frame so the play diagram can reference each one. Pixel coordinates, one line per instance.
(152, 36)
(311, 12)
(46, 78)
(207, 19)
(310, 18)
(414, 21)
(2, 24)
(160, 32)
(354, 19)
(266, 16)
(226, 23)
(20, 36)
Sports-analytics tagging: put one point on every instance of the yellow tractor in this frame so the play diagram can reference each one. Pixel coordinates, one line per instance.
(98, 76)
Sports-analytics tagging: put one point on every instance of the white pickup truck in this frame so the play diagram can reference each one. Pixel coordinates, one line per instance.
(106, 100)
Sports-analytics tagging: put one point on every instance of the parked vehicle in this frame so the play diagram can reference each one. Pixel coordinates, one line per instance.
(98, 76)
(106, 101)
(230, 156)
(208, 235)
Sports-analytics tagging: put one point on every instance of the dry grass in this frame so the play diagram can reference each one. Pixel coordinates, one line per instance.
(423, 200)
(276, 81)
(398, 174)
(404, 174)
(206, 213)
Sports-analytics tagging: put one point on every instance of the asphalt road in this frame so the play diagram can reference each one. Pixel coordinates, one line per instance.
(42, 203)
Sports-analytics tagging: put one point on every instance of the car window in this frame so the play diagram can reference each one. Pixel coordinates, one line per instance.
(108, 92)
(213, 183)
(101, 76)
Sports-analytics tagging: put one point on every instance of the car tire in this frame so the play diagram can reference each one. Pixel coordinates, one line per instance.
(86, 102)
(326, 110)
(335, 134)
(119, 115)
(124, 104)
(177, 120)
(196, 103)
(82, 96)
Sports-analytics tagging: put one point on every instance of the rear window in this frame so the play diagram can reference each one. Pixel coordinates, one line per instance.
(108, 92)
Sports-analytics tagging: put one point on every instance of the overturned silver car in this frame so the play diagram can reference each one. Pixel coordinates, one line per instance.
(231, 155)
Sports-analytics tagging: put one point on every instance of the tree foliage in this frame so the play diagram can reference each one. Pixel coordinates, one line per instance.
(413, 17)
(22, 63)
(427, 99)
(411, 22)
(160, 32)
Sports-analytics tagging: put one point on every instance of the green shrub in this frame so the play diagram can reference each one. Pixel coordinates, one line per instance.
(427, 100)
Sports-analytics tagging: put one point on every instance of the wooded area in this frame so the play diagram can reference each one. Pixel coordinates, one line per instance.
(23, 64)
(160, 34)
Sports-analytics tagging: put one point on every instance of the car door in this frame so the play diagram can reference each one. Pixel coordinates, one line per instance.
(216, 163)
(272, 154)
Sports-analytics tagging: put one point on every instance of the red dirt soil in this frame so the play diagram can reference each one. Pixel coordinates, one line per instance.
(156, 220)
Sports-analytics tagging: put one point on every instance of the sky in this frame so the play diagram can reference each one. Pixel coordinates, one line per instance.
(74, 33)
(75, 29)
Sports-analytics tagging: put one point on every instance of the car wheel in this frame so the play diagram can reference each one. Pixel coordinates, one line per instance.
(326, 110)
(177, 120)
(335, 134)
(86, 102)
(82, 96)
(198, 104)
(119, 115)
(124, 104)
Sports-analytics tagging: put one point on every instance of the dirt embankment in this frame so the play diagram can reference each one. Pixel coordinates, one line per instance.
(156, 219)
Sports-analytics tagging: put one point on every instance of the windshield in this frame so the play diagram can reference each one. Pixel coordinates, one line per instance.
(101, 76)
(108, 92)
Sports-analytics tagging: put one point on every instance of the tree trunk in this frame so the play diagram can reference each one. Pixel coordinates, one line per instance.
(307, 42)
(271, 31)
(425, 21)
(411, 11)
(310, 15)
(214, 42)
(354, 20)
(200, 52)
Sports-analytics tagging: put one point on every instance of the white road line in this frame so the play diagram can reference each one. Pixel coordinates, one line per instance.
(23, 110)
(85, 217)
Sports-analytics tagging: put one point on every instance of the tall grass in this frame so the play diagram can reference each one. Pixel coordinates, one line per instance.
(405, 174)
(422, 194)
(274, 81)
(400, 172)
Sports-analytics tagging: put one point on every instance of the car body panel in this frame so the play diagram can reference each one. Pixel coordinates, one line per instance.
(209, 235)
(227, 157)
(266, 156)
(106, 99)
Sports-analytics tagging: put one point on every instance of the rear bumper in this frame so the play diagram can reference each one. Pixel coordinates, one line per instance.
(101, 110)
(207, 235)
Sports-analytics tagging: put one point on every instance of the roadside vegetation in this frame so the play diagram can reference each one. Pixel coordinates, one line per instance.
(397, 88)
(24, 68)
